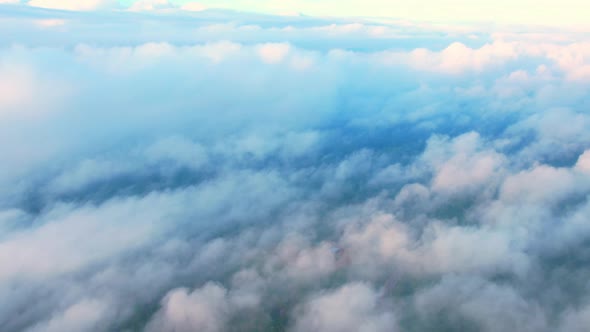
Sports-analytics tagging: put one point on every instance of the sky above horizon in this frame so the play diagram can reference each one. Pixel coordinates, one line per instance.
(505, 11)
(543, 12)
(521, 12)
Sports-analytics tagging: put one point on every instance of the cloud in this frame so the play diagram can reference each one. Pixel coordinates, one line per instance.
(223, 171)
(82, 316)
(204, 309)
(574, 321)
(459, 166)
(480, 305)
(583, 163)
(457, 58)
(273, 53)
(24, 88)
(353, 307)
(46, 251)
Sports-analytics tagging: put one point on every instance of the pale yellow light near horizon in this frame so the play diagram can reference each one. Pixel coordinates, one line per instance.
(537, 12)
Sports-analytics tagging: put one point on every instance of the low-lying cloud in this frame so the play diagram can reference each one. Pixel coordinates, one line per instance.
(208, 170)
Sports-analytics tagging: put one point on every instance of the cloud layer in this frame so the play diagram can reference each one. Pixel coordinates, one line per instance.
(210, 170)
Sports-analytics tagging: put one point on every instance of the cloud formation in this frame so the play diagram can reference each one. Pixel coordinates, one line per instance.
(219, 171)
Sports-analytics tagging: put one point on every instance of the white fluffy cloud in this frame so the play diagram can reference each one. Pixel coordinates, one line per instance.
(353, 307)
(205, 309)
(273, 53)
(490, 307)
(83, 316)
(462, 165)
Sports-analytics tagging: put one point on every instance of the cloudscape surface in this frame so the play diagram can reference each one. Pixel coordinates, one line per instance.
(299, 166)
